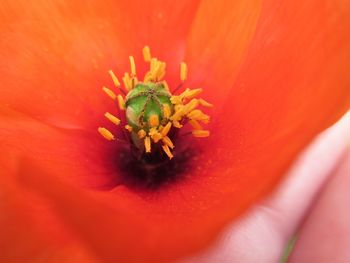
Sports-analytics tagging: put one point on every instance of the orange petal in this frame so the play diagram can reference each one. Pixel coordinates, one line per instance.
(218, 40)
(55, 57)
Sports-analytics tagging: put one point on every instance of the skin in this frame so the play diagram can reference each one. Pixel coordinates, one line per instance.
(311, 203)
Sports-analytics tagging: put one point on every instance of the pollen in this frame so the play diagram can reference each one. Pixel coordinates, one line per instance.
(154, 113)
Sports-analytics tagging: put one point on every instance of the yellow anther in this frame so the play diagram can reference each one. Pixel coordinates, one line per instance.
(177, 124)
(112, 118)
(121, 102)
(166, 86)
(166, 129)
(197, 115)
(183, 71)
(156, 137)
(148, 144)
(132, 66)
(127, 81)
(189, 94)
(176, 100)
(146, 54)
(166, 140)
(205, 103)
(195, 124)
(161, 71)
(114, 78)
(200, 133)
(106, 134)
(178, 115)
(128, 127)
(167, 151)
(190, 106)
(141, 133)
(110, 93)
(166, 111)
(153, 120)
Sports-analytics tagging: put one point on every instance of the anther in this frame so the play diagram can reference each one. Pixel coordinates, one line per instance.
(112, 118)
(166, 140)
(167, 151)
(110, 93)
(128, 127)
(183, 71)
(121, 102)
(148, 144)
(106, 133)
(146, 54)
(114, 78)
(166, 129)
(141, 133)
(200, 133)
(132, 66)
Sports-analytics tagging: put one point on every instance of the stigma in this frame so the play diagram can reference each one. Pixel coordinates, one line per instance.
(151, 113)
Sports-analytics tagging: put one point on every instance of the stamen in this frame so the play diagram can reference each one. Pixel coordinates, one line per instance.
(189, 94)
(166, 111)
(146, 54)
(195, 124)
(132, 66)
(110, 93)
(151, 108)
(128, 127)
(153, 120)
(166, 140)
(127, 81)
(167, 151)
(166, 129)
(114, 78)
(141, 133)
(183, 71)
(112, 118)
(106, 134)
(200, 133)
(121, 102)
(205, 103)
(148, 144)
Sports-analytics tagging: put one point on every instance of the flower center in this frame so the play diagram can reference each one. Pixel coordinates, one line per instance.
(151, 112)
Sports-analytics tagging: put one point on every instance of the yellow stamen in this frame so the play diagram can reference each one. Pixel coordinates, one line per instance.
(110, 93)
(167, 151)
(127, 82)
(121, 102)
(146, 54)
(200, 133)
(166, 129)
(177, 124)
(106, 134)
(141, 133)
(156, 137)
(197, 115)
(153, 120)
(112, 118)
(132, 66)
(189, 94)
(166, 111)
(195, 124)
(176, 100)
(128, 127)
(183, 71)
(205, 103)
(191, 106)
(114, 78)
(166, 86)
(166, 140)
(148, 144)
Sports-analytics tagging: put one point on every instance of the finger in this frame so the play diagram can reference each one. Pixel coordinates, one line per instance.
(325, 236)
(261, 235)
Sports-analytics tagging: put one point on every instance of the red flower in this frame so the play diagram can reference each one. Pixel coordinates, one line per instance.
(277, 73)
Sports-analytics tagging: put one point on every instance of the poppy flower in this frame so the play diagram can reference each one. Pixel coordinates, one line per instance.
(277, 73)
